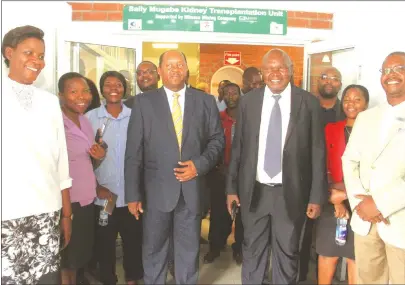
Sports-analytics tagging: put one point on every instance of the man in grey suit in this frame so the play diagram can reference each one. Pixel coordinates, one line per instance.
(171, 152)
(277, 171)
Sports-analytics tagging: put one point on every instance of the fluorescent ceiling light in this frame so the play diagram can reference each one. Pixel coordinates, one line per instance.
(165, 45)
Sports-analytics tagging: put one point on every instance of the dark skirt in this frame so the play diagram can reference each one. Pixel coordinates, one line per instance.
(80, 248)
(325, 236)
(30, 249)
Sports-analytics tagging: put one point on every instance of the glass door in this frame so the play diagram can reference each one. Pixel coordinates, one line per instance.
(92, 60)
(320, 55)
(96, 50)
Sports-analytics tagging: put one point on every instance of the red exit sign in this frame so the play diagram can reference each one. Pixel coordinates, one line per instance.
(232, 58)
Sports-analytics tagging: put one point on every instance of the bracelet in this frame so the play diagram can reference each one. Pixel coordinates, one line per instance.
(68, 217)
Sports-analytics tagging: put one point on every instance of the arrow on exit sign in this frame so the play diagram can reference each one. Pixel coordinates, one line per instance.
(232, 58)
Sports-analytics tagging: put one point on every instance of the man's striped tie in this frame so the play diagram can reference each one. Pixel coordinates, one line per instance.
(177, 118)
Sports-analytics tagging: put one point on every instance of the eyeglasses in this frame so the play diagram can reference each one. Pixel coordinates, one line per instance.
(145, 72)
(331, 78)
(395, 69)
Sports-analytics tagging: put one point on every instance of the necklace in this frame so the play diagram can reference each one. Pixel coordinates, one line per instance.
(23, 94)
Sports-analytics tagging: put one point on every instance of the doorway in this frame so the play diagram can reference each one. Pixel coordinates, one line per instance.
(207, 63)
(231, 73)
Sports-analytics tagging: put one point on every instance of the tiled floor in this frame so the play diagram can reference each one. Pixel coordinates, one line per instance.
(222, 271)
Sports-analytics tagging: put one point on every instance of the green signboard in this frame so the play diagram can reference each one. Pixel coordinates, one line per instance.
(204, 19)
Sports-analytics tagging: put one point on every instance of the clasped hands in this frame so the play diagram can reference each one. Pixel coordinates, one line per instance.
(367, 210)
(337, 196)
(185, 173)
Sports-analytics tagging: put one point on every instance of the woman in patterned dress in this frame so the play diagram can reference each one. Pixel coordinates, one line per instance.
(35, 170)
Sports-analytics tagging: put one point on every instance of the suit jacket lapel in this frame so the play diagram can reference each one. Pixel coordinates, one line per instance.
(257, 103)
(296, 100)
(391, 134)
(189, 105)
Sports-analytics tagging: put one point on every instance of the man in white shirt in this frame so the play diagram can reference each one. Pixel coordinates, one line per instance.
(374, 174)
(277, 170)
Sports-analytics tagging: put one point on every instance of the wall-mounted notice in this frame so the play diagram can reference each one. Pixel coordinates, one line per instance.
(204, 19)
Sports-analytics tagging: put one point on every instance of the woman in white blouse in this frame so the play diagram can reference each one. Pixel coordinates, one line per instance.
(35, 169)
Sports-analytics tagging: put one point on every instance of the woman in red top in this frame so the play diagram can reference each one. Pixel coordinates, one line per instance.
(355, 99)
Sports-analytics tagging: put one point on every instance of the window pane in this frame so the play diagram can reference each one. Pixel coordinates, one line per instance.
(94, 60)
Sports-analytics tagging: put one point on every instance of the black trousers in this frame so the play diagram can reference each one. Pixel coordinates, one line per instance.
(123, 222)
(305, 252)
(269, 211)
(220, 220)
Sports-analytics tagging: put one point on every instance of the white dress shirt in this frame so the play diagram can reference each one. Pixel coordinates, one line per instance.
(285, 106)
(182, 98)
(221, 105)
(35, 160)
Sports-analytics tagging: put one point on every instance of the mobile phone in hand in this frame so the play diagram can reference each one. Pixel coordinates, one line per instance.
(234, 210)
(98, 136)
(98, 139)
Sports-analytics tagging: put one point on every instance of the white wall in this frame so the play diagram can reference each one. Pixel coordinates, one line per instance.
(375, 30)
(48, 16)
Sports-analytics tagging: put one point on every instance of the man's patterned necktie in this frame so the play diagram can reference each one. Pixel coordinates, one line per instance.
(177, 118)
